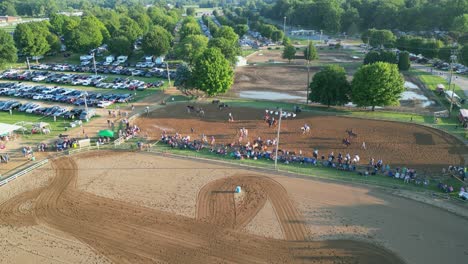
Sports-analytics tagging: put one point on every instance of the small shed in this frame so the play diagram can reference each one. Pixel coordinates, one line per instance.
(159, 60)
(463, 117)
(440, 88)
(110, 59)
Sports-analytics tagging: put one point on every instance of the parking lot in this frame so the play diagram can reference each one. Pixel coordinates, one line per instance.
(142, 69)
(79, 79)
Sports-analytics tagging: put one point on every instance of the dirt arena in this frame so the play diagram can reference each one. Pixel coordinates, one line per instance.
(268, 71)
(397, 144)
(127, 207)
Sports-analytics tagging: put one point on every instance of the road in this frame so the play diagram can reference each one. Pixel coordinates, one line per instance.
(458, 80)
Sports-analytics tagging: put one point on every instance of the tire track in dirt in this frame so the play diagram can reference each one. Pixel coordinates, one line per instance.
(216, 204)
(128, 233)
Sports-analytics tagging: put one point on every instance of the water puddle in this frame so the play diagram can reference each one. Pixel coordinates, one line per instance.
(268, 95)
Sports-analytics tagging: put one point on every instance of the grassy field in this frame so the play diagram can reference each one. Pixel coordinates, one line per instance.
(56, 128)
(247, 52)
(431, 81)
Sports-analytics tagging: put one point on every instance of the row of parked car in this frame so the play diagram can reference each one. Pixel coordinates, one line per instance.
(77, 79)
(57, 111)
(151, 69)
(457, 67)
(62, 95)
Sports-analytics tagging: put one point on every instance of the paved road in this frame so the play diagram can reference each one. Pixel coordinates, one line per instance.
(458, 80)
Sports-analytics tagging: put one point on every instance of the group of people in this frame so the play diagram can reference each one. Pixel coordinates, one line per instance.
(41, 147)
(64, 143)
(128, 131)
(4, 157)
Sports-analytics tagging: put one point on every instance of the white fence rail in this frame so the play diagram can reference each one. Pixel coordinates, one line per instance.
(23, 172)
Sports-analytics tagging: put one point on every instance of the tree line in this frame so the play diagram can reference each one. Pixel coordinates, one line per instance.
(353, 16)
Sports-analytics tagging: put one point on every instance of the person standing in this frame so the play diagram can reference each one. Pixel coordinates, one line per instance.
(363, 145)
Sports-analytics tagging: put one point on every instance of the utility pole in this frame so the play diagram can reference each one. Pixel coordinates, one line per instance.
(308, 71)
(168, 75)
(321, 32)
(453, 58)
(278, 137)
(29, 65)
(94, 63)
(284, 27)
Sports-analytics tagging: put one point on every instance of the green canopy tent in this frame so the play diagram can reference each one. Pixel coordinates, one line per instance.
(106, 133)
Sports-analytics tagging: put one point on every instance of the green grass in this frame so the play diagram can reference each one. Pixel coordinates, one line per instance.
(431, 81)
(55, 127)
(247, 52)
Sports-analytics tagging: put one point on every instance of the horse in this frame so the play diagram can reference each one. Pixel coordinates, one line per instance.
(222, 106)
(351, 133)
(190, 108)
(346, 142)
(271, 122)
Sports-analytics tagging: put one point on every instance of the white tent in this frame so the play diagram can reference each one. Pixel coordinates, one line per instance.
(6, 129)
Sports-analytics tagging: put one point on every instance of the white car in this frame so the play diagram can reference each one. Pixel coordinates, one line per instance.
(39, 78)
(32, 109)
(38, 97)
(104, 104)
(463, 195)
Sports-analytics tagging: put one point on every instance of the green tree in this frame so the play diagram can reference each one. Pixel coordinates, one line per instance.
(54, 42)
(191, 28)
(31, 38)
(310, 53)
(464, 55)
(7, 49)
(377, 84)
(460, 24)
(230, 49)
(129, 28)
(87, 35)
(330, 86)
(8, 8)
(241, 29)
(289, 53)
(183, 79)
(212, 73)
(286, 41)
(143, 20)
(190, 11)
(372, 57)
(120, 45)
(379, 38)
(157, 41)
(404, 61)
(191, 47)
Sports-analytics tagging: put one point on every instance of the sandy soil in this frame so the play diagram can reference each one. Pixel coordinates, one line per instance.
(125, 232)
(397, 144)
(23, 242)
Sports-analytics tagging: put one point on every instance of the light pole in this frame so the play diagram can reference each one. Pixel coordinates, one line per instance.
(94, 63)
(85, 94)
(29, 65)
(452, 58)
(278, 137)
(308, 71)
(168, 75)
(284, 26)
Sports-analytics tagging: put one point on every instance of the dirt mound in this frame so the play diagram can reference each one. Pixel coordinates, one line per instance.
(127, 233)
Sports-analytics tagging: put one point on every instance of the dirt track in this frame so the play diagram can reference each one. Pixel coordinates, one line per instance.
(127, 233)
(397, 144)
